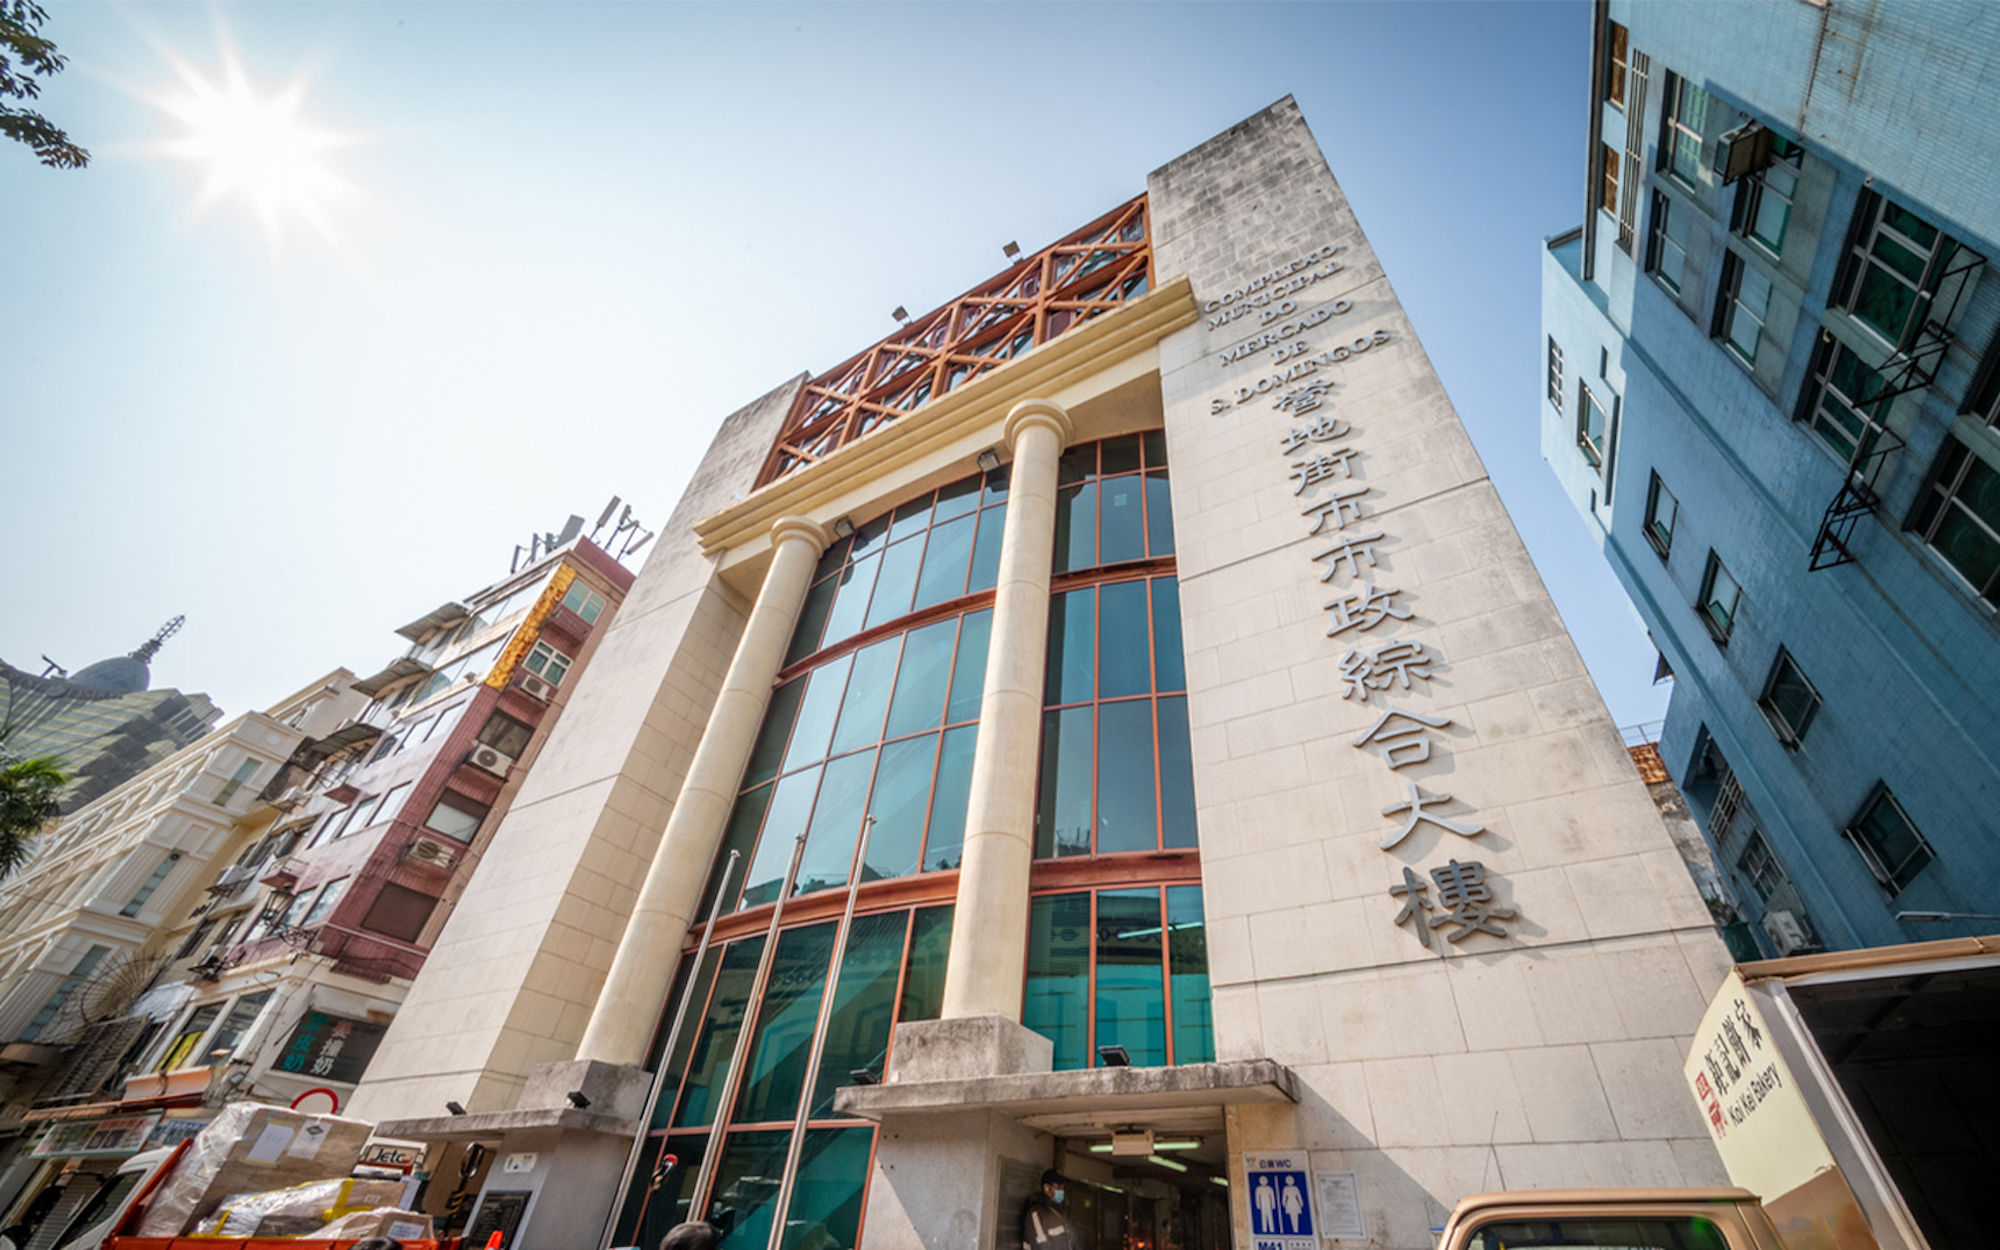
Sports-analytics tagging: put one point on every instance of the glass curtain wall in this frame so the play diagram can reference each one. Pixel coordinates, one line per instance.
(892, 971)
(875, 719)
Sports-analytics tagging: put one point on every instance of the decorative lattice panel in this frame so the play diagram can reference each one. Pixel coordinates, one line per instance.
(1038, 298)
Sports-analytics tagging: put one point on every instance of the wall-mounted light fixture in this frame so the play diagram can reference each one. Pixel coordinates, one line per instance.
(843, 528)
(901, 313)
(987, 460)
(1010, 250)
(863, 1076)
(577, 1100)
(1114, 1057)
(454, 1108)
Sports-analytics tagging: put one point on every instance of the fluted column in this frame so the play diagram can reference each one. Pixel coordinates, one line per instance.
(629, 1006)
(989, 931)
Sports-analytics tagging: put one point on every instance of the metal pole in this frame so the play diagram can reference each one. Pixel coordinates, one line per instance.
(666, 1057)
(816, 1051)
(710, 1154)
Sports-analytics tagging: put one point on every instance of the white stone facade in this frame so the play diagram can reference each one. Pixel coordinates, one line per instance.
(1548, 1056)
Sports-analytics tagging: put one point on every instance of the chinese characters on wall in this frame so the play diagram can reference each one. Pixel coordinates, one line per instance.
(1456, 899)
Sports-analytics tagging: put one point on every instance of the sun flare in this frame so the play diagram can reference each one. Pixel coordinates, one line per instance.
(256, 147)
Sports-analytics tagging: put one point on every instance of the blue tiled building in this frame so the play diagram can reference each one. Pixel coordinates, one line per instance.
(1773, 357)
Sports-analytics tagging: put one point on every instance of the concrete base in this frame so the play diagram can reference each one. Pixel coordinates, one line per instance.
(973, 1046)
(616, 1094)
(952, 1182)
(946, 1182)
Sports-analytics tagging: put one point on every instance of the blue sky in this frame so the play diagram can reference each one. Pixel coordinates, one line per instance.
(566, 241)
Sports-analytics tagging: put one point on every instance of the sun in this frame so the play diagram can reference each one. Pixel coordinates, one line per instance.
(257, 148)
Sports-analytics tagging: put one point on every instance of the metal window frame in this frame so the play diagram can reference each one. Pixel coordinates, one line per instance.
(1941, 494)
(1661, 538)
(1869, 226)
(1594, 452)
(1673, 125)
(1729, 303)
(1789, 734)
(1893, 878)
(1658, 240)
(1750, 200)
(1716, 629)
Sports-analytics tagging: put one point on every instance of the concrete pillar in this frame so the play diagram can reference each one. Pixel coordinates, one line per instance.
(989, 931)
(628, 1008)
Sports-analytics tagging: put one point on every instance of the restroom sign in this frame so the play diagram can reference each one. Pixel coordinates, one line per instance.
(1278, 1191)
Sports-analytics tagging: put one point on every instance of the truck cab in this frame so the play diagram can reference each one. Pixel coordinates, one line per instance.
(1629, 1219)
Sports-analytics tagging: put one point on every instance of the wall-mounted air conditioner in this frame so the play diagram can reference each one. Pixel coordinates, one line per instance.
(535, 688)
(1743, 151)
(1786, 933)
(431, 851)
(492, 761)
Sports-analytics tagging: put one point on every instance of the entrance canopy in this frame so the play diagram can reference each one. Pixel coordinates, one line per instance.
(1089, 1101)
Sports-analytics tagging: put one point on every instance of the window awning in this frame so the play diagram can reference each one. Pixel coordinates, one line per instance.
(431, 622)
(349, 735)
(398, 670)
(1182, 1099)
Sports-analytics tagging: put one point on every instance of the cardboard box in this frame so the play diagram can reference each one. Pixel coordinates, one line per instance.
(388, 1222)
(252, 1148)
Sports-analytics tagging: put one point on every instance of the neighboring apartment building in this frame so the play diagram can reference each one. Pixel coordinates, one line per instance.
(104, 721)
(275, 968)
(1135, 649)
(80, 923)
(1773, 383)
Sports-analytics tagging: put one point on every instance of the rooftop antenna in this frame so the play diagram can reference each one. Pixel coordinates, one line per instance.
(54, 669)
(151, 647)
(604, 518)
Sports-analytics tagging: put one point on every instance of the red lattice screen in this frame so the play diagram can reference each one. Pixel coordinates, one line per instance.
(1033, 301)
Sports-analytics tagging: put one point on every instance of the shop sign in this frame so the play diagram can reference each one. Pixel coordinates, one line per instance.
(1755, 1114)
(383, 1155)
(330, 1047)
(173, 1131)
(530, 628)
(84, 1139)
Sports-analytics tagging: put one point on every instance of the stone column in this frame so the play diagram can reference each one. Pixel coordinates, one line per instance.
(628, 1008)
(989, 931)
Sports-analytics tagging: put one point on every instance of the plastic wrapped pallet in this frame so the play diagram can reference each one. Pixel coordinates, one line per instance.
(301, 1211)
(388, 1222)
(253, 1148)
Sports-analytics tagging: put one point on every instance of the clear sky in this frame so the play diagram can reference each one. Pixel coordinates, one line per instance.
(531, 255)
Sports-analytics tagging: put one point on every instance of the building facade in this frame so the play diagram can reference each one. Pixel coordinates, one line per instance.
(1109, 724)
(81, 923)
(1772, 392)
(272, 968)
(104, 722)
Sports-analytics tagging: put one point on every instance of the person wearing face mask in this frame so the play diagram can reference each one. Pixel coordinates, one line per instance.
(1043, 1224)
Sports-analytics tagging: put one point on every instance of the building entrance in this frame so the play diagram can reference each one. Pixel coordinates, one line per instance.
(1175, 1198)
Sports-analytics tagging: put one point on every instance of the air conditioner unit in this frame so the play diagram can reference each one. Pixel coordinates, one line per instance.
(1744, 150)
(535, 688)
(1786, 933)
(492, 761)
(431, 851)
